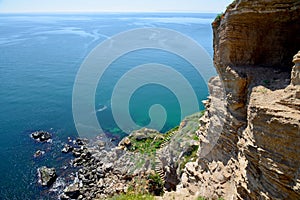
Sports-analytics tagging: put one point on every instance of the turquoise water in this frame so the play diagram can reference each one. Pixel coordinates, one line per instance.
(39, 58)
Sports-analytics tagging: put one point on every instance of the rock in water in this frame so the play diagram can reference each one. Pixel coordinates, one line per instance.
(46, 175)
(82, 141)
(72, 191)
(38, 153)
(67, 148)
(41, 136)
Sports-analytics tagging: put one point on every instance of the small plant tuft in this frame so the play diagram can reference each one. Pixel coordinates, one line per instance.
(150, 145)
(219, 16)
(191, 155)
(156, 184)
(133, 197)
(267, 82)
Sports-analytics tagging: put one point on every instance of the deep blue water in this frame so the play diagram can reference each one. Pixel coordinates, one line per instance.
(39, 59)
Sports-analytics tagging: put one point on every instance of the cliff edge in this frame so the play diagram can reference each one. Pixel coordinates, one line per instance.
(257, 152)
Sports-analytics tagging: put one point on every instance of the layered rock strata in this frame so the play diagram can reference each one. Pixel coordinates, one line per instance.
(257, 152)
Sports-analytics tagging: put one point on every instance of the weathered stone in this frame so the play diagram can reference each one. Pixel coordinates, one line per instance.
(72, 191)
(256, 155)
(143, 134)
(63, 196)
(295, 77)
(38, 153)
(82, 141)
(125, 142)
(41, 136)
(67, 148)
(46, 175)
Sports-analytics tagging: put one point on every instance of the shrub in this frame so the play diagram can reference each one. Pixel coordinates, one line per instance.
(219, 16)
(156, 185)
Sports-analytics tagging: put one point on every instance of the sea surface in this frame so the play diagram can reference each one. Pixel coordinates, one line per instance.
(40, 55)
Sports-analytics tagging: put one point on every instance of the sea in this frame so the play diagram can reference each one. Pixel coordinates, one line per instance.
(40, 58)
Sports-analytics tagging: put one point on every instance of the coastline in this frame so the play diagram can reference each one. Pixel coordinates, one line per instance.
(146, 160)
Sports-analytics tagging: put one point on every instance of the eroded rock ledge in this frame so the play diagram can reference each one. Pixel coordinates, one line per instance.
(257, 154)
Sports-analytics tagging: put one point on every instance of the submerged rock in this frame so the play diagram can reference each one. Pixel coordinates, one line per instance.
(67, 148)
(41, 136)
(47, 176)
(82, 141)
(38, 153)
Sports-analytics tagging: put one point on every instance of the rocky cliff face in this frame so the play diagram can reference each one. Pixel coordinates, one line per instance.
(257, 155)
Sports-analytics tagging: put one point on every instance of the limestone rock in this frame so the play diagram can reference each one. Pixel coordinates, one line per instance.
(81, 141)
(46, 175)
(254, 33)
(41, 136)
(295, 78)
(38, 153)
(257, 32)
(144, 134)
(125, 143)
(72, 191)
(256, 155)
(67, 148)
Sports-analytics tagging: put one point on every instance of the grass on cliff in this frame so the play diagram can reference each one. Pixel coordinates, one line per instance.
(149, 145)
(143, 188)
(219, 16)
(203, 198)
(190, 156)
(133, 197)
(155, 184)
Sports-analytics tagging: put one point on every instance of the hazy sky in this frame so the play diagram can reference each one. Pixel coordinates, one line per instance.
(215, 6)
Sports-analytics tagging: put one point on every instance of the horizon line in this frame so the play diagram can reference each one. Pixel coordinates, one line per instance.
(108, 12)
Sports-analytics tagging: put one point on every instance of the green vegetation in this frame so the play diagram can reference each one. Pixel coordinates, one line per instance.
(172, 130)
(191, 155)
(143, 188)
(219, 17)
(203, 198)
(151, 144)
(146, 146)
(133, 197)
(196, 138)
(155, 185)
(267, 82)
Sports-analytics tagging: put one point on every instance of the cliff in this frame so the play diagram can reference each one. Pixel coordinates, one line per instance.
(247, 143)
(257, 152)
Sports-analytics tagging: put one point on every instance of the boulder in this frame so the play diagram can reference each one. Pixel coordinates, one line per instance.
(67, 148)
(125, 142)
(295, 76)
(82, 141)
(41, 136)
(72, 191)
(144, 134)
(46, 175)
(38, 153)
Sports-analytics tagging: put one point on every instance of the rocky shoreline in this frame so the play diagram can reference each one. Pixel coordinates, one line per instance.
(145, 162)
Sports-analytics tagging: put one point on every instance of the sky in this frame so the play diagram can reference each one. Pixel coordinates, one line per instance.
(21, 6)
